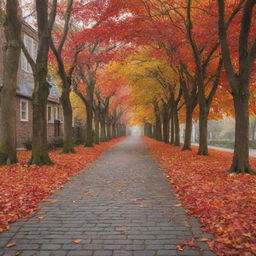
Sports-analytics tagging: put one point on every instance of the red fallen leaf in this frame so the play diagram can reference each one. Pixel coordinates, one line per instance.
(121, 229)
(203, 185)
(192, 243)
(32, 184)
(10, 245)
(134, 200)
(77, 241)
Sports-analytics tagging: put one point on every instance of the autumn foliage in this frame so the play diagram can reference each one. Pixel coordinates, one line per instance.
(22, 187)
(223, 203)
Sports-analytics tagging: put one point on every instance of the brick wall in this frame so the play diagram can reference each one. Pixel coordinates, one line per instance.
(24, 128)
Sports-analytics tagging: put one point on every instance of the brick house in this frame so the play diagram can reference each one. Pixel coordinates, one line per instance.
(25, 85)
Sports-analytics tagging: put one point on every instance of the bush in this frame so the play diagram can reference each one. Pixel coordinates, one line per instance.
(56, 142)
(222, 143)
(252, 144)
(28, 144)
(229, 144)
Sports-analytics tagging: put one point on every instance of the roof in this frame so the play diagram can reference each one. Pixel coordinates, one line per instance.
(26, 89)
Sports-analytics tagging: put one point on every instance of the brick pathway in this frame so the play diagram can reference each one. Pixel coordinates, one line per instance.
(121, 206)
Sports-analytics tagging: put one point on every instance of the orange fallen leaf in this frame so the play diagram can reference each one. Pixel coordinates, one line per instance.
(178, 205)
(40, 217)
(77, 241)
(204, 239)
(10, 245)
(179, 247)
(88, 192)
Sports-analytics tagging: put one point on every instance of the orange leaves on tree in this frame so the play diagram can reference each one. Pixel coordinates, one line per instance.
(23, 187)
(224, 204)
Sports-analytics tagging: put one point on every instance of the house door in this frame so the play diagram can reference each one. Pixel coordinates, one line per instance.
(56, 128)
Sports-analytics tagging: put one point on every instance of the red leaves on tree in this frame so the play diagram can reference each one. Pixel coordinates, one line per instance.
(224, 204)
(23, 187)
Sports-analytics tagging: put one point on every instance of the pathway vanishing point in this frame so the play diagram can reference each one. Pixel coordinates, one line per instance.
(121, 206)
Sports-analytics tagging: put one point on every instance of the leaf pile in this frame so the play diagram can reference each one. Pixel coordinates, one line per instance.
(22, 187)
(223, 203)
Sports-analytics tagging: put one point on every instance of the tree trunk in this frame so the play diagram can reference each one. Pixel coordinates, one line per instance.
(97, 127)
(158, 128)
(39, 102)
(12, 50)
(103, 136)
(150, 130)
(89, 121)
(114, 131)
(166, 126)
(68, 144)
(176, 127)
(188, 128)
(172, 126)
(158, 125)
(203, 139)
(123, 130)
(240, 163)
(118, 130)
(108, 131)
(42, 87)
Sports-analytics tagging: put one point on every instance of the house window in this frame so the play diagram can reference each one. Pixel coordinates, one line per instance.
(60, 114)
(55, 113)
(49, 114)
(24, 110)
(32, 47)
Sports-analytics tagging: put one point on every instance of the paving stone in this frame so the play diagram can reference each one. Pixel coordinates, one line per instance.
(129, 211)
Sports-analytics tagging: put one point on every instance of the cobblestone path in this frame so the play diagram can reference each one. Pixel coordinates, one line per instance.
(120, 206)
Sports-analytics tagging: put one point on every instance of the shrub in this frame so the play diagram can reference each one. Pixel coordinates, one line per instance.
(222, 143)
(56, 142)
(28, 144)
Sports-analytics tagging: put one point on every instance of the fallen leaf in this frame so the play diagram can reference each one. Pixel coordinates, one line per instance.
(179, 247)
(10, 245)
(204, 239)
(88, 192)
(77, 241)
(121, 229)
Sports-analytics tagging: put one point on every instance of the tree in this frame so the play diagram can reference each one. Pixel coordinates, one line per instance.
(239, 80)
(41, 90)
(12, 49)
(66, 78)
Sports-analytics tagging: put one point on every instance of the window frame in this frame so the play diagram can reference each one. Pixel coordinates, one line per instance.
(49, 121)
(26, 111)
(32, 50)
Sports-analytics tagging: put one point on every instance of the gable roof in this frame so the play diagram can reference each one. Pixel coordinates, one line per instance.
(26, 89)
